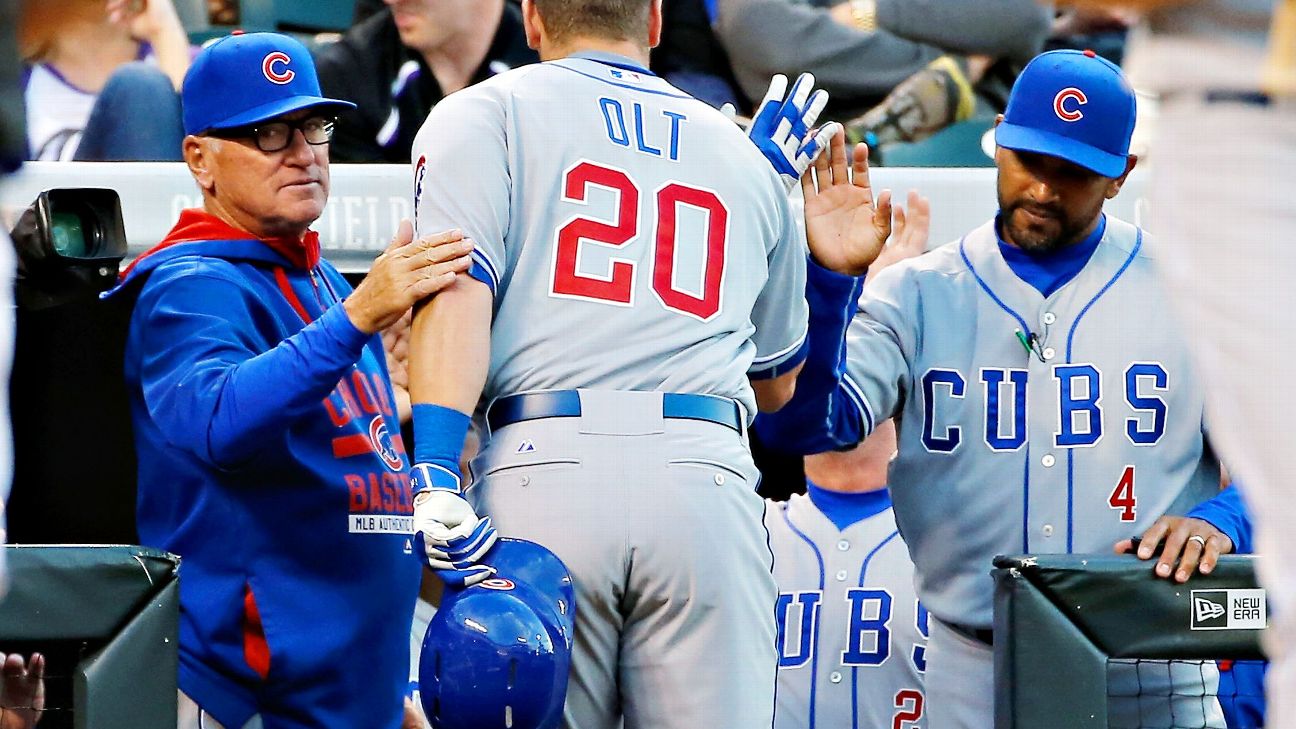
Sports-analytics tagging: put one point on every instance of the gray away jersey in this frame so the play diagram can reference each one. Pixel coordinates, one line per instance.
(634, 238)
(1070, 448)
(851, 632)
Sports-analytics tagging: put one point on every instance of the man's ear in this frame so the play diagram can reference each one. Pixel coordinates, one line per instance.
(1114, 186)
(198, 156)
(654, 23)
(532, 24)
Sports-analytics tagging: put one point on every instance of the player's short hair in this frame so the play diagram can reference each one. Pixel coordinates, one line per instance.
(617, 19)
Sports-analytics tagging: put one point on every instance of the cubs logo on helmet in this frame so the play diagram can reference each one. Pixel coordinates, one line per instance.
(497, 654)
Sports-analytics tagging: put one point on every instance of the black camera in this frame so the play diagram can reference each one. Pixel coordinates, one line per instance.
(70, 243)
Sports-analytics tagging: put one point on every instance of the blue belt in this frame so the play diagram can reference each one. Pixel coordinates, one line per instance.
(566, 404)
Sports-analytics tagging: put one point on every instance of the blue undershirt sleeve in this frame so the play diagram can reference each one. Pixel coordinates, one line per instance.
(209, 381)
(1227, 513)
(820, 416)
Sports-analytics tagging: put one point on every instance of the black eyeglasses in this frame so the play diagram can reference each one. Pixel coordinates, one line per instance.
(273, 136)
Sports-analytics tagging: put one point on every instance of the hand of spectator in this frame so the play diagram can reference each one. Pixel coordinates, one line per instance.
(22, 691)
(909, 232)
(146, 19)
(157, 23)
(1193, 543)
(845, 229)
(406, 273)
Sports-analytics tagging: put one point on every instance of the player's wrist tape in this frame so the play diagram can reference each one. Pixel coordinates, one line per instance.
(438, 442)
(434, 477)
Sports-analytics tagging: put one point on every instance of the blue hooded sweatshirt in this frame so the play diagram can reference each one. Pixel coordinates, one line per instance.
(270, 460)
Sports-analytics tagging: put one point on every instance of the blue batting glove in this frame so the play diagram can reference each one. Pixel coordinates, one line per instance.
(447, 531)
(782, 127)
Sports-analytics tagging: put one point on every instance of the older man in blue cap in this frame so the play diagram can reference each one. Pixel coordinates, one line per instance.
(1033, 378)
(266, 424)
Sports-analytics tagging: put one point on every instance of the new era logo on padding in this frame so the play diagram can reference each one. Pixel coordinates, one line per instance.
(1205, 610)
(1229, 610)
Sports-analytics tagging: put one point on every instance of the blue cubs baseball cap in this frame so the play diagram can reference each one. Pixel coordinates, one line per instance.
(245, 78)
(1074, 105)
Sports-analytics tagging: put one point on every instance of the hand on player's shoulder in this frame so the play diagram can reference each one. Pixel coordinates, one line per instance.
(409, 271)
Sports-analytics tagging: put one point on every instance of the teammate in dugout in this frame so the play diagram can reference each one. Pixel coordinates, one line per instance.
(265, 423)
(851, 633)
(1044, 403)
(644, 275)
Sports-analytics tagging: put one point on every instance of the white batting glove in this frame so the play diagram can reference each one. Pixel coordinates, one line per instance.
(447, 531)
(781, 127)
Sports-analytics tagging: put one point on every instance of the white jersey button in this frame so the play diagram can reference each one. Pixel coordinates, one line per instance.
(841, 575)
(1049, 317)
(1048, 530)
(1049, 353)
(835, 677)
(1048, 460)
(525, 480)
(843, 545)
(719, 479)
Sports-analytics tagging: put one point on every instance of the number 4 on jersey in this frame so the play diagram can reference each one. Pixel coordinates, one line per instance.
(1122, 498)
(618, 285)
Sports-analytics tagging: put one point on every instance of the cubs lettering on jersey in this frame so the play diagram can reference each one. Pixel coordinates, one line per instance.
(851, 631)
(1056, 424)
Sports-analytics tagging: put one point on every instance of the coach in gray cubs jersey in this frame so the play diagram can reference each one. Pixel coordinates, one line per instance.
(1045, 404)
(641, 264)
(852, 635)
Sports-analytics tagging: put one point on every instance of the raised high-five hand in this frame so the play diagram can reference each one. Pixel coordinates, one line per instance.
(846, 230)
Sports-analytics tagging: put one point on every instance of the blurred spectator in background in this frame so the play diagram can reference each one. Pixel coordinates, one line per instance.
(398, 63)
(691, 58)
(101, 79)
(862, 50)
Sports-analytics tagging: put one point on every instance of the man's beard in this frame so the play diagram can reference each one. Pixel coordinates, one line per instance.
(1052, 231)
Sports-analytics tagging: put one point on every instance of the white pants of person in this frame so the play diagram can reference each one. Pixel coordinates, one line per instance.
(1223, 205)
(191, 716)
(657, 518)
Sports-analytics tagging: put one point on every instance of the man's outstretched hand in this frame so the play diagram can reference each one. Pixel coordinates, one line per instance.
(845, 228)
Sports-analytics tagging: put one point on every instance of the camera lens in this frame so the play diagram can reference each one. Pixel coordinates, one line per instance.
(69, 234)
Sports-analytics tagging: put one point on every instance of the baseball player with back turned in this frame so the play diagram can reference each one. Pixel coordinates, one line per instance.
(639, 266)
(852, 635)
(1044, 405)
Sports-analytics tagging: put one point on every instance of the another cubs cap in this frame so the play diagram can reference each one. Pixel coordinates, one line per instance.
(247, 78)
(1073, 105)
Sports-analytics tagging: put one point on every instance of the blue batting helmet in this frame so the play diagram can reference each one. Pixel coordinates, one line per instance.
(496, 654)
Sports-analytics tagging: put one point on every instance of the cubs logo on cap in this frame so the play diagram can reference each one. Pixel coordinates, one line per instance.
(1067, 104)
(1073, 105)
(268, 67)
(245, 78)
